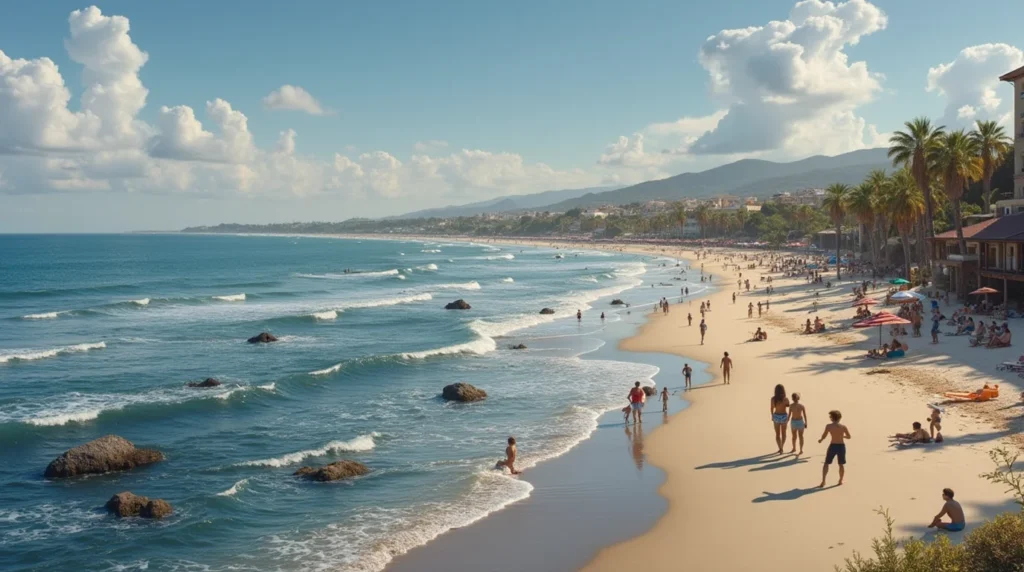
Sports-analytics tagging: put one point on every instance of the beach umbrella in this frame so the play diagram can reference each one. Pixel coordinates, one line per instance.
(986, 291)
(864, 302)
(881, 319)
(898, 281)
(904, 297)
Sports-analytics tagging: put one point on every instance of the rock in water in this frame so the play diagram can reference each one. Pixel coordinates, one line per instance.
(650, 390)
(208, 382)
(617, 302)
(262, 338)
(459, 304)
(547, 311)
(462, 392)
(108, 453)
(517, 347)
(335, 471)
(127, 504)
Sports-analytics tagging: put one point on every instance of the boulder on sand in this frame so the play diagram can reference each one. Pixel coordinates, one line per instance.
(127, 504)
(650, 390)
(335, 471)
(462, 392)
(262, 338)
(108, 453)
(517, 347)
(617, 302)
(459, 304)
(547, 311)
(208, 382)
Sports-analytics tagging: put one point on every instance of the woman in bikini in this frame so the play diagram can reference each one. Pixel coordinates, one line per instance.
(798, 422)
(780, 415)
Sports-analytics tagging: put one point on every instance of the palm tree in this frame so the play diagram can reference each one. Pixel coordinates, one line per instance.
(679, 215)
(835, 204)
(703, 214)
(905, 204)
(860, 203)
(915, 149)
(877, 180)
(958, 164)
(992, 143)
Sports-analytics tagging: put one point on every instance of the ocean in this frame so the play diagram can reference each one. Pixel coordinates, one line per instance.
(100, 334)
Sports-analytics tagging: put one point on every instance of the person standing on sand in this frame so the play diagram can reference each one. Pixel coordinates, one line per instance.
(687, 373)
(510, 457)
(726, 366)
(689, 319)
(952, 509)
(797, 421)
(758, 309)
(579, 316)
(936, 320)
(780, 415)
(837, 447)
(637, 397)
(750, 310)
(664, 400)
(703, 330)
(733, 297)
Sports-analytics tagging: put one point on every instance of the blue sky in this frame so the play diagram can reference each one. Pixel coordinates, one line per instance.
(526, 96)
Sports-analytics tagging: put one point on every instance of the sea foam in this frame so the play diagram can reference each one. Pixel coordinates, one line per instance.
(32, 355)
(358, 444)
(231, 298)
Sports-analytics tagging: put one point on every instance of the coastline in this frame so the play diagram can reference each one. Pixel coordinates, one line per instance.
(721, 474)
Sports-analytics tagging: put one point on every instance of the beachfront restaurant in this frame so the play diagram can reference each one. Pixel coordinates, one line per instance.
(1000, 265)
(958, 271)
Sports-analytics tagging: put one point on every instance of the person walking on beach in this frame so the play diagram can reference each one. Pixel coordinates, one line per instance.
(758, 309)
(797, 421)
(837, 447)
(726, 366)
(750, 310)
(689, 319)
(664, 400)
(703, 330)
(510, 457)
(780, 415)
(687, 373)
(936, 320)
(637, 397)
(733, 297)
(952, 509)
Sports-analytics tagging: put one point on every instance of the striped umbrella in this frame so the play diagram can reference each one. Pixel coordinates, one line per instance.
(864, 302)
(881, 319)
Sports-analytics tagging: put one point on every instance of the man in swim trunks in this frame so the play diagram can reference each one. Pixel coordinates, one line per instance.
(837, 447)
(689, 319)
(664, 400)
(726, 366)
(687, 372)
(637, 397)
(953, 510)
(703, 330)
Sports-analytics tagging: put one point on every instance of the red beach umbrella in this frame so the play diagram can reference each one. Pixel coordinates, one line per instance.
(985, 290)
(864, 302)
(881, 319)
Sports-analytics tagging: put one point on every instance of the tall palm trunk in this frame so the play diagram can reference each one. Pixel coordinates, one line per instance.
(986, 186)
(839, 241)
(959, 225)
(905, 240)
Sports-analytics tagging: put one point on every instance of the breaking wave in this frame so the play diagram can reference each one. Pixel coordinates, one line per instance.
(327, 370)
(358, 444)
(234, 489)
(231, 298)
(474, 285)
(46, 315)
(508, 280)
(32, 355)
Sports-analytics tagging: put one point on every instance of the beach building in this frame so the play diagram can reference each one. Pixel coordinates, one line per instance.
(1016, 204)
(958, 271)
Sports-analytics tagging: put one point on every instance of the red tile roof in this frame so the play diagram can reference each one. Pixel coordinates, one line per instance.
(969, 231)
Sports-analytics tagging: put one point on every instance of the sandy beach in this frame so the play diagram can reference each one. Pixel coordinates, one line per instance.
(725, 483)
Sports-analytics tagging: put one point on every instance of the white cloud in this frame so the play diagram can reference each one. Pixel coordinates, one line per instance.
(294, 98)
(970, 84)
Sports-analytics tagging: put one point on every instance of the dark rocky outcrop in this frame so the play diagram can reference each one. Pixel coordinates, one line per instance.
(459, 304)
(547, 311)
(333, 472)
(262, 338)
(462, 392)
(617, 302)
(517, 347)
(127, 504)
(650, 390)
(108, 453)
(208, 382)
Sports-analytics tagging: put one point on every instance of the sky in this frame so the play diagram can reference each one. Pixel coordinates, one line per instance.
(128, 115)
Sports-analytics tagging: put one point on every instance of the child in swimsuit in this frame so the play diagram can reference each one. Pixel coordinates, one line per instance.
(797, 422)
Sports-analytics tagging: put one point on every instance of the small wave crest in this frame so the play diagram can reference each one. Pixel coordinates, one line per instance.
(32, 355)
(431, 250)
(326, 315)
(356, 274)
(234, 489)
(358, 444)
(428, 268)
(508, 280)
(145, 301)
(46, 315)
(474, 285)
(479, 346)
(231, 298)
(327, 370)
(386, 302)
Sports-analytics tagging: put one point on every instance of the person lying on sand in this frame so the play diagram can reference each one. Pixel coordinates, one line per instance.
(952, 509)
(510, 457)
(918, 435)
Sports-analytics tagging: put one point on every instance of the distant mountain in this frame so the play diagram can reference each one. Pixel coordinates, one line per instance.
(747, 177)
(506, 203)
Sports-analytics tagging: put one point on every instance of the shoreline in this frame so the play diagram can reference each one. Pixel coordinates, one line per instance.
(719, 459)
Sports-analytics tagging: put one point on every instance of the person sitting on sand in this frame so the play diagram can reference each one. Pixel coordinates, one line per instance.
(510, 457)
(819, 325)
(1001, 340)
(759, 336)
(918, 435)
(979, 335)
(953, 510)
(880, 353)
(965, 328)
(807, 327)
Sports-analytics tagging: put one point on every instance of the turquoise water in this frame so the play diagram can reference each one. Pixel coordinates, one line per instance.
(100, 334)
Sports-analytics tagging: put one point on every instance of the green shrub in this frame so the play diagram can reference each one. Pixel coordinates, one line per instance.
(996, 546)
(912, 555)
